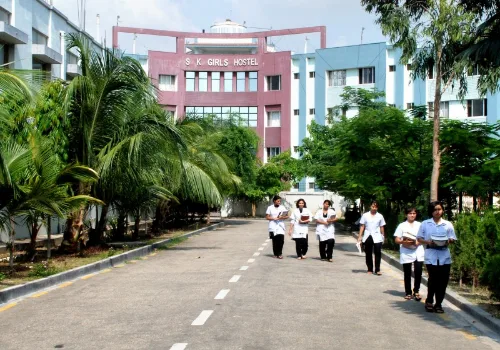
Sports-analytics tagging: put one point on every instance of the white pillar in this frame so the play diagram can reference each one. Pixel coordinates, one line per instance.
(63, 53)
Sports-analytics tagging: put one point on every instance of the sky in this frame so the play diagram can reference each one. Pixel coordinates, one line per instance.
(344, 20)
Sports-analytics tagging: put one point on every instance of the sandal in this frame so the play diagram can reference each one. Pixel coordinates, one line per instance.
(379, 273)
(280, 257)
(370, 273)
(409, 297)
(299, 258)
(429, 307)
(438, 309)
(330, 260)
(417, 296)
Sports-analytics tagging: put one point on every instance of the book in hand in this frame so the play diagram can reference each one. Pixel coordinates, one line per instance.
(409, 237)
(304, 218)
(283, 214)
(358, 245)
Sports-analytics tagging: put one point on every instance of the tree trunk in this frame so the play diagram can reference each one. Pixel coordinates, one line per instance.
(120, 227)
(460, 202)
(254, 208)
(490, 199)
(208, 215)
(74, 223)
(436, 153)
(96, 236)
(474, 203)
(158, 221)
(460, 281)
(137, 222)
(12, 239)
(49, 236)
(33, 236)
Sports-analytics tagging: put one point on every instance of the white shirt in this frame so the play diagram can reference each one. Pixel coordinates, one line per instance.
(300, 230)
(276, 226)
(325, 232)
(408, 255)
(430, 228)
(372, 223)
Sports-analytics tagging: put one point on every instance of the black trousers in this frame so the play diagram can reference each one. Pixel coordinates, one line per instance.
(439, 276)
(418, 276)
(326, 248)
(370, 248)
(301, 246)
(278, 241)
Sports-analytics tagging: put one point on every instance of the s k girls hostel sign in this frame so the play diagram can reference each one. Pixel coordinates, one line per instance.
(221, 62)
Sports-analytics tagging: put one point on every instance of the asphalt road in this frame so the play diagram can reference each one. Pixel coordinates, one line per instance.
(190, 297)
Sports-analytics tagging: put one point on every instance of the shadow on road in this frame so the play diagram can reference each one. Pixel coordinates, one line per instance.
(396, 293)
(236, 222)
(359, 271)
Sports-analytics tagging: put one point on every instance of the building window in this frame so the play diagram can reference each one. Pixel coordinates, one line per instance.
(296, 186)
(312, 111)
(311, 185)
(253, 81)
(39, 38)
(296, 76)
(274, 83)
(410, 105)
(430, 73)
(244, 116)
(392, 105)
(240, 81)
(167, 83)
(296, 112)
(392, 68)
(190, 81)
(337, 78)
(203, 81)
(274, 119)
(409, 67)
(477, 108)
(444, 110)
(273, 152)
(367, 75)
(228, 81)
(312, 74)
(473, 71)
(296, 149)
(215, 81)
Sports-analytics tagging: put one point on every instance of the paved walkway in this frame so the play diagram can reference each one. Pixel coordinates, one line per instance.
(223, 290)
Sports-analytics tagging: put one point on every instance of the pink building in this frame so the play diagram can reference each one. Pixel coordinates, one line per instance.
(228, 71)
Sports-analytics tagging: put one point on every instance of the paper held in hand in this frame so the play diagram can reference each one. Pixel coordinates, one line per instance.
(283, 213)
(358, 245)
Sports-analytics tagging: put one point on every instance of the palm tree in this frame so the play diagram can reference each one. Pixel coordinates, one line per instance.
(96, 103)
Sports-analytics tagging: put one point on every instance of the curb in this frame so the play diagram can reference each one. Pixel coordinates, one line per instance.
(451, 296)
(16, 292)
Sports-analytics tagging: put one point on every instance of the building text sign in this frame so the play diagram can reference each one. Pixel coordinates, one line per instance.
(221, 62)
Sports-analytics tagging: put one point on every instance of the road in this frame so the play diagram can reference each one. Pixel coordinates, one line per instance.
(223, 290)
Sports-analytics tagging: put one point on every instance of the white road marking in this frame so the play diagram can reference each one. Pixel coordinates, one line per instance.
(244, 268)
(235, 278)
(268, 240)
(179, 346)
(265, 244)
(261, 249)
(200, 320)
(251, 260)
(256, 254)
(222, 294)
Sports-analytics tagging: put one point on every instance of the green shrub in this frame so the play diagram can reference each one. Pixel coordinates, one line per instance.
(2, 276)
(43, 270)
(491, 275)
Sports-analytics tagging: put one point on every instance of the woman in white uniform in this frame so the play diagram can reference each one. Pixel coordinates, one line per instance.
(372, 234)
(437, 234)
(325, 231)
(276, 214)
(410, 252)
(299, 228)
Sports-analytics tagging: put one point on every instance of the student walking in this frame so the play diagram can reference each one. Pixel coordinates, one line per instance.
(371, 233)
(411, 252)
(276, 214)
(301, 217)
(437, 234)
(325, 231)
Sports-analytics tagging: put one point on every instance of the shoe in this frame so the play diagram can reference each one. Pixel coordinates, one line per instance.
(429, 307)
(330, 260)
(417, 296)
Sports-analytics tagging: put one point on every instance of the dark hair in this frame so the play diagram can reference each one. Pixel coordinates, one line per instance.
(328, 201)
(432, 206)
(301, 200)
(374, 202)
(408, 210)
(275, 198)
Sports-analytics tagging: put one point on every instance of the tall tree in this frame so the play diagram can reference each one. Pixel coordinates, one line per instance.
(429, 33)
